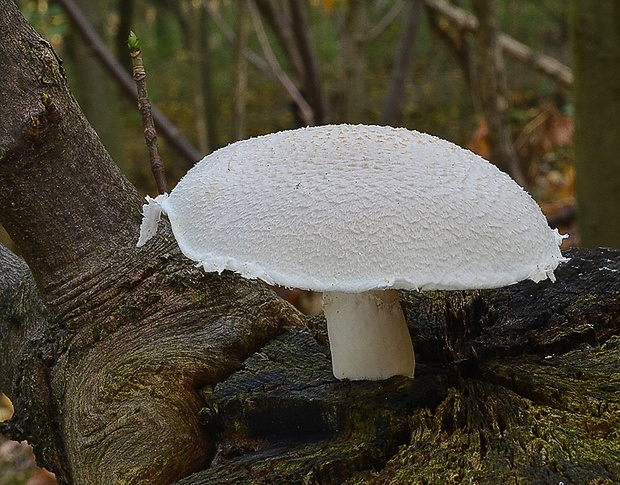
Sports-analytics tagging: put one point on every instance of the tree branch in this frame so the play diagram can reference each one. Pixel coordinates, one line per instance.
(393, 100)
(386, 20)
(277, 14)
(312, 77)
(112, 378)
(144, 106)
(544, 64)
(307, 114)
(258, 62)
(493, 89)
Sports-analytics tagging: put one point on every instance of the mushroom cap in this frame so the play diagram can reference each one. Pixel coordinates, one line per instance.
(352, 208)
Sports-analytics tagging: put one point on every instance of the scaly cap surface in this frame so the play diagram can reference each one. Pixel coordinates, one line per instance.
(351, 208)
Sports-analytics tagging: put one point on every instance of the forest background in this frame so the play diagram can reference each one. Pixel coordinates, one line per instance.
(214, 95)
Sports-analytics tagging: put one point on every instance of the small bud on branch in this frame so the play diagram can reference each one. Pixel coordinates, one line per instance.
(144, 106)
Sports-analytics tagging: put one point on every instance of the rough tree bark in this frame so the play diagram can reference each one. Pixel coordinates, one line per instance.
(133, 366)
(106, 380)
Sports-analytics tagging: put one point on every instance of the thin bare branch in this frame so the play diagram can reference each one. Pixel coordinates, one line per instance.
(543, 63)
(312, 82)
(277, 14)
(307, 114)
(227, 31)
(124, 80)
(386, 20)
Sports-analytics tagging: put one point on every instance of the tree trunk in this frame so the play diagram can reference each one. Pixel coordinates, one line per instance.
(596, 37)
(390, 114)
(311, 83)
(192, 22)
(304, 113)
(206, 67)
(544, 64)
(98, 96)
(354, 66)
(491, 83)
(289, 21)
(105, 366)
(240, 74)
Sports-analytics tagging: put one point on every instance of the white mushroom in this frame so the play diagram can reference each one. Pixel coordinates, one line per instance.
(353, 211)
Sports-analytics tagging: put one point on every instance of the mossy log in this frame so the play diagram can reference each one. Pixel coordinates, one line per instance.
(515, 385)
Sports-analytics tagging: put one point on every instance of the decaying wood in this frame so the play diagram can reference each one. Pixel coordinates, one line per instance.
(515, 385)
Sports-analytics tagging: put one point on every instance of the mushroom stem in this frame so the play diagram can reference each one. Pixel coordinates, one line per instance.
(368, 335)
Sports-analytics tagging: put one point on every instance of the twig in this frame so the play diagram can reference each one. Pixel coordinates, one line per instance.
(312, 85)
(307, 114)
(120, 75)
(144, 106)
(257, 61)
(385, 21)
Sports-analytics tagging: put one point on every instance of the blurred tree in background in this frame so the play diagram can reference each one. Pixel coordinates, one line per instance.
(596, 41)
(387, 61)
